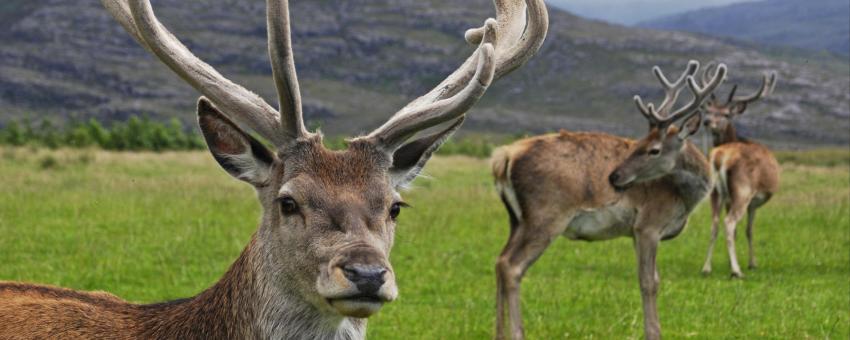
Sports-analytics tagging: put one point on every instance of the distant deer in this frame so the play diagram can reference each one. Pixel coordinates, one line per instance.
(319, 262)
(746, 173)
(594, 186)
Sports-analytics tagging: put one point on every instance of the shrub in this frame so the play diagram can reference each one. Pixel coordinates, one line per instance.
(135, 134)
(48, 162)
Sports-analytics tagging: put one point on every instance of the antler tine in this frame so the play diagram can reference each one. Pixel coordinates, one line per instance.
(767, 85)
(699, 95)
(707, 71)
(672, 90)
(732, 94)
(647, 111)
(243, 106)
(283, 68)
(504, 44)
(692, 68)
(522, 27)
(405, 124)
(412, 119)
(671, 93)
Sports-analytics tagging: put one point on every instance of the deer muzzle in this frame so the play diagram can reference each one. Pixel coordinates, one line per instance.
(619, 181)
(358, 282)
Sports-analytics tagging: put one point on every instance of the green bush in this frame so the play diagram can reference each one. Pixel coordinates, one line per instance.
(49, 162)
(136, 134)
(13, 134)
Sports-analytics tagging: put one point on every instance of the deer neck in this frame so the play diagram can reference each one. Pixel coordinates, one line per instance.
(249, 302)
(728, 135)
(691, 176)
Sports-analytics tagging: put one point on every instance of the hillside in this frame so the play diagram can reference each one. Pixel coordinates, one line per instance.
(630, 12)
(360, 60)
(813, 24)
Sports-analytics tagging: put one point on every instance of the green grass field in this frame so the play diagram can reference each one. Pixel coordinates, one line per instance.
(151, 227)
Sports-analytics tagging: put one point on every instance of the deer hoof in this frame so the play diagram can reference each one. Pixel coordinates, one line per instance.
(737, 275)
(706, 271)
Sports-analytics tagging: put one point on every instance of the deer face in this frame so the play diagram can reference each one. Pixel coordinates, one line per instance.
(718, 117)
(333, 216)
(328, 216)
(654, 156)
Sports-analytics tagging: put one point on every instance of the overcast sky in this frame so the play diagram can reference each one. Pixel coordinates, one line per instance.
(632, 11)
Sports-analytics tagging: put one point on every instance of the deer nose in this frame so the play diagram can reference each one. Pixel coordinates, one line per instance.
(368, 279)
(613, 178)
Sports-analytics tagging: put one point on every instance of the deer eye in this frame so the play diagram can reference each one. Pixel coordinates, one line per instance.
(288, 205)
(654, 152)
(395, 209)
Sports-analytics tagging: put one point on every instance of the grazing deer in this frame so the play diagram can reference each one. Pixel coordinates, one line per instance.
(319, 262)
(746, 173)
(594, 186)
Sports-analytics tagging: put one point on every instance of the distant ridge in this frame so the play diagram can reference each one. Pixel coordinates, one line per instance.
(809, 24)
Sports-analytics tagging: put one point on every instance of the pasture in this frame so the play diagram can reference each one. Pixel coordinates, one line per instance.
(150, 227)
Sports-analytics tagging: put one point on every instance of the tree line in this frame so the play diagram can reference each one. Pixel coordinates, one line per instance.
(143, 134)
(137, 133)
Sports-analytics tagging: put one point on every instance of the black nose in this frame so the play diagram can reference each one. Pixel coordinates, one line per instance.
(368, 279)
(613, 178)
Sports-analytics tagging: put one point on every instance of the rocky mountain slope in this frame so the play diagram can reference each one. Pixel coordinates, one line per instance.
(360, 60)
(811, 24)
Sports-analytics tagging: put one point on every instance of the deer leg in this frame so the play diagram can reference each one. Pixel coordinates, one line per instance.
(751, 216)
(646, 247)
(500, 303)
(521, 252)
(501, 295)
(731, 222)
(715, 221)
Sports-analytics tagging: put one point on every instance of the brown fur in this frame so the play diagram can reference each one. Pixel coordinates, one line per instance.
(574, 166)
(557, 177)
(31, 311)
(750, 167)
(747, 176)
(746, 172)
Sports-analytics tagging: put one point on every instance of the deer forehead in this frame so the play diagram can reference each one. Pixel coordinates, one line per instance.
(717, 110)
(355, 176)
(654, 137)
(359, 165)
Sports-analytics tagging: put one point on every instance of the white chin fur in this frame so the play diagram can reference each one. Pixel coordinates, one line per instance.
(356, 308)
(626, 183)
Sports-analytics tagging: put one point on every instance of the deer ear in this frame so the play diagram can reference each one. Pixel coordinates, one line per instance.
(409, 159)
(690, 126)
(238, 153)
(738, 108)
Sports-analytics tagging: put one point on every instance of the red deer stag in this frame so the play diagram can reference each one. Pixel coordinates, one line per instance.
(559, 184)
(746, 173)
(318, 264)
